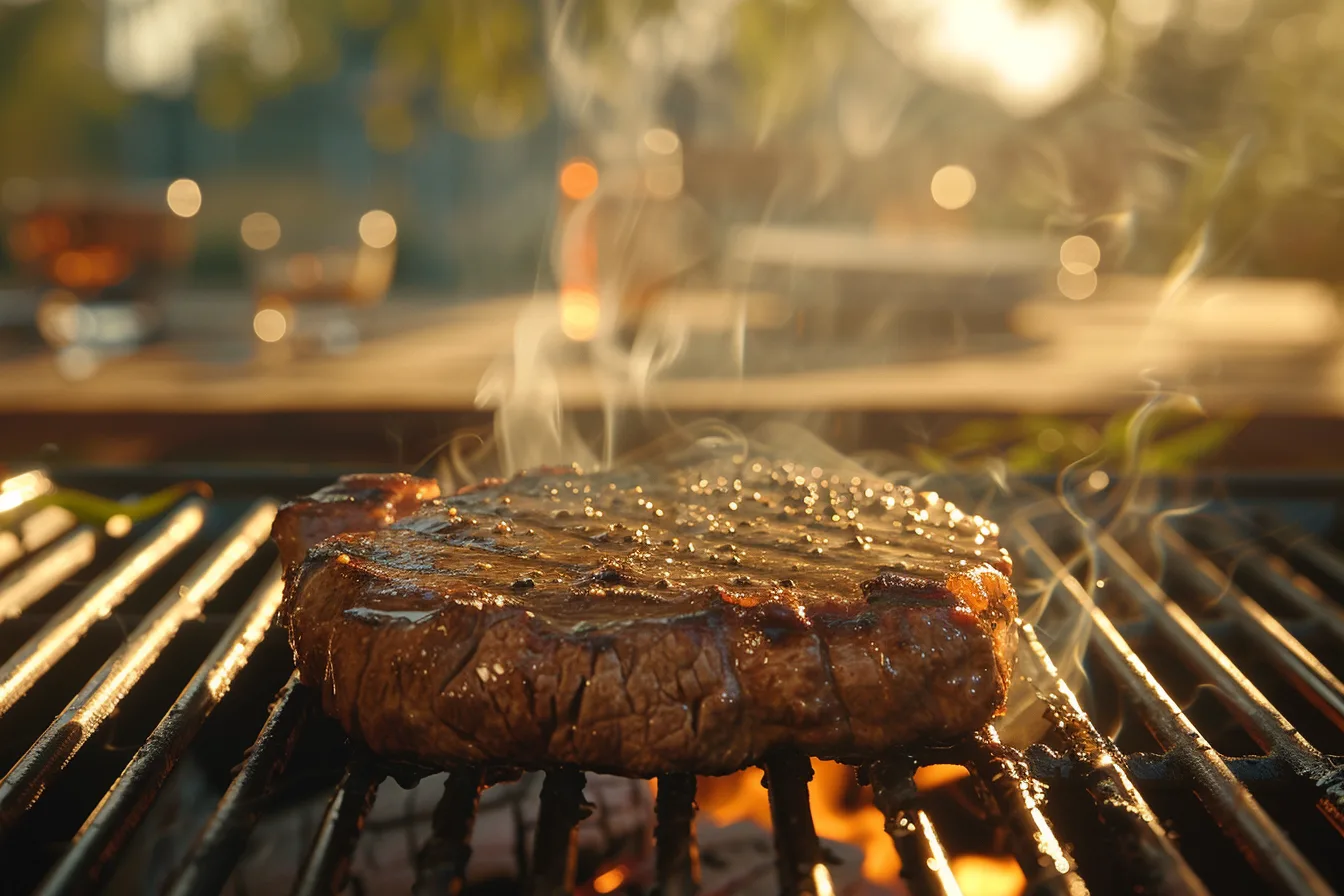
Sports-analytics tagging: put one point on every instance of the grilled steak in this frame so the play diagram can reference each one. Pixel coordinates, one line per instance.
(687, 622)
(357, 503)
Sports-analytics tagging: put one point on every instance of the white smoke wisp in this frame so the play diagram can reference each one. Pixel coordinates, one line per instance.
(861, 91)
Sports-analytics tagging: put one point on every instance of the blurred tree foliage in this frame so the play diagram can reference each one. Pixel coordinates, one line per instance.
(1161, 437)
(1222, 131)
(53, 98)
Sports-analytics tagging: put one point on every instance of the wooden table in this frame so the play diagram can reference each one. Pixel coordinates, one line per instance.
(1237, 346)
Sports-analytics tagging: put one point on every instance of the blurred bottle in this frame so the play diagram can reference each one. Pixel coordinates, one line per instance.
(100, 260)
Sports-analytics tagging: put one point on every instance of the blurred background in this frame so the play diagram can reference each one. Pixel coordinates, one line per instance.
(343, 231)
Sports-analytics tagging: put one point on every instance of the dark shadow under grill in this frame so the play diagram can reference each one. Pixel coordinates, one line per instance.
(1206, 761)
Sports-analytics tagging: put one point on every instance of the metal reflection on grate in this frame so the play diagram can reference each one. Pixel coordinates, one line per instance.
(1232, 571)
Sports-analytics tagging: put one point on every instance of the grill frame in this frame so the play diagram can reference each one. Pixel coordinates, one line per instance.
(1013, 784)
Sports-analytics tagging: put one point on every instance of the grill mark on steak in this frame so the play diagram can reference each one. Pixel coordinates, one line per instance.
(653, 621)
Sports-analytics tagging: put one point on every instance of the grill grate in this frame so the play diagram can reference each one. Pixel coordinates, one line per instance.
(1248, 608)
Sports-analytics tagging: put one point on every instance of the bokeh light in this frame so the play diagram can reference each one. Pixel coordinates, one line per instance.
(953, 186)
(578, 179)
(580, 312)
(377, 229)
(1079, 254)
(184, 197)
(270, 324)
(260, 231)
(662, 141)
(1076, 286)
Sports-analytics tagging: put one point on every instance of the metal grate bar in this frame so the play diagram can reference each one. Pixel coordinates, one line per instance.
(678, 855)
(224, 837)
(101, 597)
(82, 716)
(56, 563)
(1265, 723)
(34, 532)
(118, 815)
(555, 847)
(19, 489)
(1161, 771)
(1298, 544)
(798, 854)
(1149, 854)
(1235, 810)
(1302, 669)
(441, 865)
(327, 865)
(1297, 590)
(1004, 774)
(924, 865)
(43, 526)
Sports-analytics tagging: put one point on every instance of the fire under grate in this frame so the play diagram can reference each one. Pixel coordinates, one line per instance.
(1207, 760)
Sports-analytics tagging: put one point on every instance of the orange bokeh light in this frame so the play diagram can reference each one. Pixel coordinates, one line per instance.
(578, 179)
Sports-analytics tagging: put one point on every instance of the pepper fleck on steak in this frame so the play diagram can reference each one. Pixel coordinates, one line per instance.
(649, 622)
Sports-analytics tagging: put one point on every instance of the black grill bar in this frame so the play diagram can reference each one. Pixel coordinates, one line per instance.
(1297, 591)
(798, 853)
(53, 565)
(1149, 854)
(82, 716)
(441, 865)
(1003, 772)
(678, 856)
(923, 861)
(97, 600)
(224, 837)
(1012, 786)
(1263, 842)
(1301, 546)
(555, 842)
(1298, 665)
(117, 817)
(1262, 720)
(327, 866)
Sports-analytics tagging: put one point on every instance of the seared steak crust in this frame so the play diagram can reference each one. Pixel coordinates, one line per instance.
(357, 503)
(689, 623)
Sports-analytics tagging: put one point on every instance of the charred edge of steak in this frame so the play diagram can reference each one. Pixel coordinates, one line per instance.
(357, 503)
(686, 624)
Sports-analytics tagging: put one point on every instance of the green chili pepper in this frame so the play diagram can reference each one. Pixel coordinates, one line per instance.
(96, 510)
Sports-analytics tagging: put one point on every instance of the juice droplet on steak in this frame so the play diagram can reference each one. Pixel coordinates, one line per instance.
(780, 539)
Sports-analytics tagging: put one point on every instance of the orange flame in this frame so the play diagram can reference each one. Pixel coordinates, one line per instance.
(988, 875)
(845, 812)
